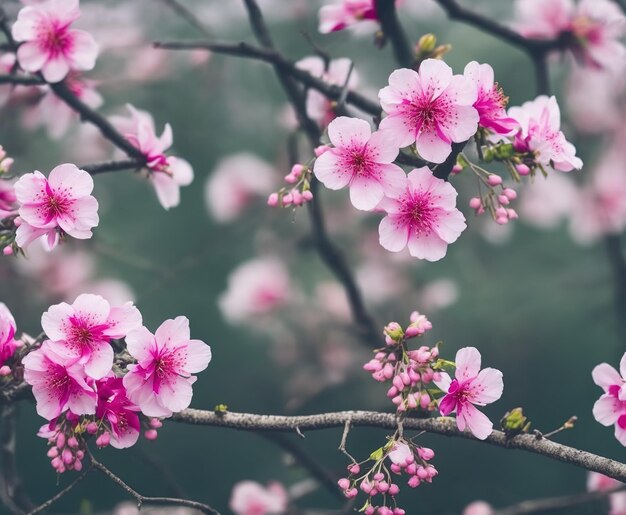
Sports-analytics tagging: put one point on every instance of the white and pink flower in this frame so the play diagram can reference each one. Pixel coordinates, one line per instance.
(610, 408)
(491, 101)
(161, 381)
(540, 133)
(166, 173)
(470, 387)
(361, 160)
(423, 217)
(432, 108)
(252, 498)
(49, 44)
(8, 343)
(57, 385)
(346, 13)
(81, 332)
(61, 204)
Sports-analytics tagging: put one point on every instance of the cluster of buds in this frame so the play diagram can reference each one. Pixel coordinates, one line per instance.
(397, 457)
(409, 371)
(67, 447)
(427, 48)
(299, 191)
(496, 200)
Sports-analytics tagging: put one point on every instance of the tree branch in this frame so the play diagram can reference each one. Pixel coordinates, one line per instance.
(393, 31)
(442, 426)
(113, 166)
(22, 80)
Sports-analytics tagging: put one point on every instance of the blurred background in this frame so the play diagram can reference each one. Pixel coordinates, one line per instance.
(538, 300)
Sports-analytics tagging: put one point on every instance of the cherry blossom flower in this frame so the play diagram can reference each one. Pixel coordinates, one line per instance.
(345, 13)
(423, 217)
(81, 332)
(318, 106)
(256, 287)
(117, 412)
(167, 173)
(593, 28)
(60, 204)
(49, 44)
(252, 498)
(432, 108)
(8, 343)
(597, 482)
(8, 200)
(160, 382)
(361, 160)
(471, 386)
(58, 386)
(478, 508)
(491, 101)
(610, 408)
(540, 122)
(234, 183)
(548, 201)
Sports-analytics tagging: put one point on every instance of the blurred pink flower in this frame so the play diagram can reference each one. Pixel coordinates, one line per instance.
(478, 508)
(8, 343)
(252, 498)
(49, 44)
(234, 183)
(256, 287)
(547, 201)
(471, 386)
(424, 217)
(597, 482)
(610, 408)
(361, 160)
(61, 202)
(345, 13)
(431, 107)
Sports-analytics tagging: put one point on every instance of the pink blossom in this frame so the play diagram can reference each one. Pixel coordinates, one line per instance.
(256, 287)
(117, 413)
(60, 204)
(361, 160)
(234, 184)
(423, 217)
(610, 408)
(592, 28)
(597, 482)
(167, 173)
(8, 343)
(81, 332)
(478, 508)
(548, 201)
(540, 122)
(491, 101)
(345, 13)
(471, 386)
(49, 44)
(160, 382)
(58, 386)
(8, 200)
(432, 108)
(252, 498)
(318, 106)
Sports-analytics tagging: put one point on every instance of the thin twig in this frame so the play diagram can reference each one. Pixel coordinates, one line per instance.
(182, 11)
(62, 493)
(12, 491)
(22, 80)
(113, 166)
(442, 426)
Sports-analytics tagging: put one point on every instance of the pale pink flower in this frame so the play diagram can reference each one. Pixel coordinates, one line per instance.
(491, 102)
(478, 508)
(8, 200)
(8, 343)
(117, 413)
(543, 19)
(345, 13)
(401, 454)
(361, 160)
(471, 386)
(82, 332)
(49, 44)
(160, 382)
(548, 201)
(61, 203)
(167, 173)
(610, 408)
(424, 217)
(432, 108)
(318, 106)
(256, 287)
(597, 482)
(235, 182)
(252, 498)
(58, 386)
(439, 294)
(540, 133)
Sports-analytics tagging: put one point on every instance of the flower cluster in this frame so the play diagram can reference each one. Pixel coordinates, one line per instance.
(397, 457)
(298, 194)
(83, 390)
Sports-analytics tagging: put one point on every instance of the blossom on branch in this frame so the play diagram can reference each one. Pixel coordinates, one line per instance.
(610, 408)
(49, 45)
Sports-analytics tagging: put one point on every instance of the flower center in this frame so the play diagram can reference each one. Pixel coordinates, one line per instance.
(418, 212)
(55, 40)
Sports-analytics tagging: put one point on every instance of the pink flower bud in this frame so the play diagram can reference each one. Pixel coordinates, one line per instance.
(456, 169)
(17, 222)
(290, 179)
(388, 371)
(307, 195)
(320, 150)
(475, 203)
(354, 468)
(379, 476)
(5, 370)
(394, 489)
(72, 442)
(395, 468)
(413, 481)
(344, 483)
(53, 452)
(103, 440)
(522, 169)
(61, 441)
(494, 180)
(510, 194)
(92, 428)
(383, 486)
(67, 456)
(287, 199)
(155, 423)
(512, 214)
(398, 511)
(296, 170)
(151, 434)
(350, 494)
(272, 200)
(78, 466)
(7, 251)
(422, 473)
(502, 220)
(424, 400)
(503, 199)
(365, 486)
(425, 453)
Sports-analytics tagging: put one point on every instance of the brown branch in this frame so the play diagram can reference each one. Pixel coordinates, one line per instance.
(441, 426)
(14, 392)
(142, 499)
(552, 504)
(22, 80)
(113, 166)
(187, 15)
(62, 493)
(393, 31)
